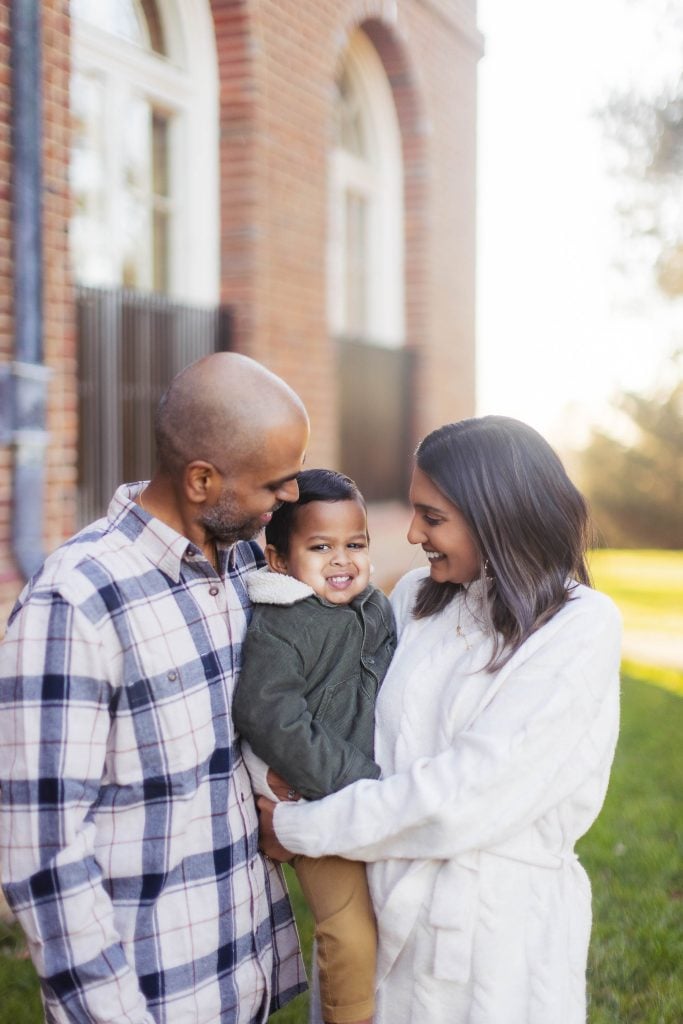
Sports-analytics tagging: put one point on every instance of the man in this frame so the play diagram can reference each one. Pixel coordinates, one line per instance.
(128, 833)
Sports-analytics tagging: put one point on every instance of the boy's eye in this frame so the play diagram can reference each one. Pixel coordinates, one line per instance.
(319, 547)
(357, 545)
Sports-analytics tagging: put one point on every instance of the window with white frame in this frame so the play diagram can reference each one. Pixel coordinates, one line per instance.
(366, 238)
(144, 162)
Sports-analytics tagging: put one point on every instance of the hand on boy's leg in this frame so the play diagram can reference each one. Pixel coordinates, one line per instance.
(268, 841)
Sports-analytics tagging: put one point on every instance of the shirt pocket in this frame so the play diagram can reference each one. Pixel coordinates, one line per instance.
(161, 725)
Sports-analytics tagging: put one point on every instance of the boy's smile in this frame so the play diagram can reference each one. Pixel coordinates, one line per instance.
(328, 550)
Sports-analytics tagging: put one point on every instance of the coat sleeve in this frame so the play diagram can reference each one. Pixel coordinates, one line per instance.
(551, 725)
(54, 724)
(270, 711)
(258, 772)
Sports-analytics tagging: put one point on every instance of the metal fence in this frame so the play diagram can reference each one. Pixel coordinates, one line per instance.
(130, 345)
(376, 405)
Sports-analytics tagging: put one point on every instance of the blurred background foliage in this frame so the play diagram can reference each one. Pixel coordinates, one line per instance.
(633, 475)
(643, 126)
(635, 487)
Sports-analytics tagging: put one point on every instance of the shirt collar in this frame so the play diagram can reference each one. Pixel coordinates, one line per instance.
(164, 546)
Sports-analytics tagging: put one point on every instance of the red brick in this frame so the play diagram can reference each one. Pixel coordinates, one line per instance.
(276, 64)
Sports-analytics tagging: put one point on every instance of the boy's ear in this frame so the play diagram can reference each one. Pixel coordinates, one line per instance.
(276, 560)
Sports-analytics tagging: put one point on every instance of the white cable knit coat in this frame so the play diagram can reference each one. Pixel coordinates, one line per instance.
(488, 780)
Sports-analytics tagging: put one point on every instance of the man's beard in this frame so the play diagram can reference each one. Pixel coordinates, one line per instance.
(222, 523)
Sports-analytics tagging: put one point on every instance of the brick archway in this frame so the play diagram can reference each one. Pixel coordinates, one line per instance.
(412, 122)
(380, 387)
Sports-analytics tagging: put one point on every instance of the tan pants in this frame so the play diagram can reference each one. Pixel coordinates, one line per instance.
(346, 935)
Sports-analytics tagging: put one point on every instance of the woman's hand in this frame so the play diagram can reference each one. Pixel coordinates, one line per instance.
(280, 786)
(269, 842)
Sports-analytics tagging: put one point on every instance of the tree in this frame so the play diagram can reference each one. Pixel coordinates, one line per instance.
(645, 129)
(636, 490)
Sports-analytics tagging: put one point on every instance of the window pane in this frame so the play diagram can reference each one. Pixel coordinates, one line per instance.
(136, 198)
(349, 120)
(122, 18)
(135, 269)
(150, 10)
(356, 264)
(160, 201)
(147, 206)
(160, 183)
(90, 251)
(160, 231)
(137, 21)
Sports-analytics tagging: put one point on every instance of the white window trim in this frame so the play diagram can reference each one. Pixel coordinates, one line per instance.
(184, 84)
(381, 180)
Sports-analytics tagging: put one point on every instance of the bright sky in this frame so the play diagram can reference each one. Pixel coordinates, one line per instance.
(555, 337)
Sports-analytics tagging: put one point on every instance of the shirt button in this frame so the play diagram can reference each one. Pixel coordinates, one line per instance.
(213, 591)
(172, 676)
(371, 661)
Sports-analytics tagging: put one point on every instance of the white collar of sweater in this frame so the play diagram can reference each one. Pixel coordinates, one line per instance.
(267, 587)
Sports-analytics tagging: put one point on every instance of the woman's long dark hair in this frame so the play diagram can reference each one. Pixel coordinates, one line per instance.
(528, 519)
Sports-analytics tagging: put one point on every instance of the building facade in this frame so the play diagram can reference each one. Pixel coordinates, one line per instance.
(302, 169)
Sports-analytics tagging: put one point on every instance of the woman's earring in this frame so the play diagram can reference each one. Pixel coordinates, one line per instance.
(488, 574)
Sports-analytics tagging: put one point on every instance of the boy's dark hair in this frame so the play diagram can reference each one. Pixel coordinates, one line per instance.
(314, 485)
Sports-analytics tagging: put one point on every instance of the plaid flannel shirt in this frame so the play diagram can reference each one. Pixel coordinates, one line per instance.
(128, 831)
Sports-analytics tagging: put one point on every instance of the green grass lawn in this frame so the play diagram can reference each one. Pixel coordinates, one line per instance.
(633, 854)
(19, 998)
(647, 586)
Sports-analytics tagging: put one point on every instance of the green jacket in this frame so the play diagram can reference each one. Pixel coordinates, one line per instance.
(305, 696)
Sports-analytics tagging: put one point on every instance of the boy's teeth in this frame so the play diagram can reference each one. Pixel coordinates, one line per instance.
(432, 555)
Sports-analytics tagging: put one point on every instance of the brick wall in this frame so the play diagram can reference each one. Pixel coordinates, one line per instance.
(278, 63)
(58, 305)
(58, 311)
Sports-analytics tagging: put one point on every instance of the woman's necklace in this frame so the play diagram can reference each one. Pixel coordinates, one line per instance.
(459, 631)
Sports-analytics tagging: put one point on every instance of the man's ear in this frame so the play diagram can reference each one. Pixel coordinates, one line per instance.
(201, 481)
(276, 560)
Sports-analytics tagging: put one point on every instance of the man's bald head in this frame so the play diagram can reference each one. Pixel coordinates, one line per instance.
(219, 410)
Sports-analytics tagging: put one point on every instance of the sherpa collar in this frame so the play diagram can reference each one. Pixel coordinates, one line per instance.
(267, 587)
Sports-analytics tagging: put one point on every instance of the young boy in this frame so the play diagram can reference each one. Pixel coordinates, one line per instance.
(318, 646)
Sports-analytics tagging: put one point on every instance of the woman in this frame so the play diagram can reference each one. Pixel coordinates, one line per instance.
(496, 727)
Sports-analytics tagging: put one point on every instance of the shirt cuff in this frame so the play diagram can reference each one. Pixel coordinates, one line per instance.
(288, 822)
(258, 772)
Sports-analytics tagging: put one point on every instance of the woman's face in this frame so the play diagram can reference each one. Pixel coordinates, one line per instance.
(440, 527)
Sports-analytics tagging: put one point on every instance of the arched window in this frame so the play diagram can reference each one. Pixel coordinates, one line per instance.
(365, 252)
(144, 167)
